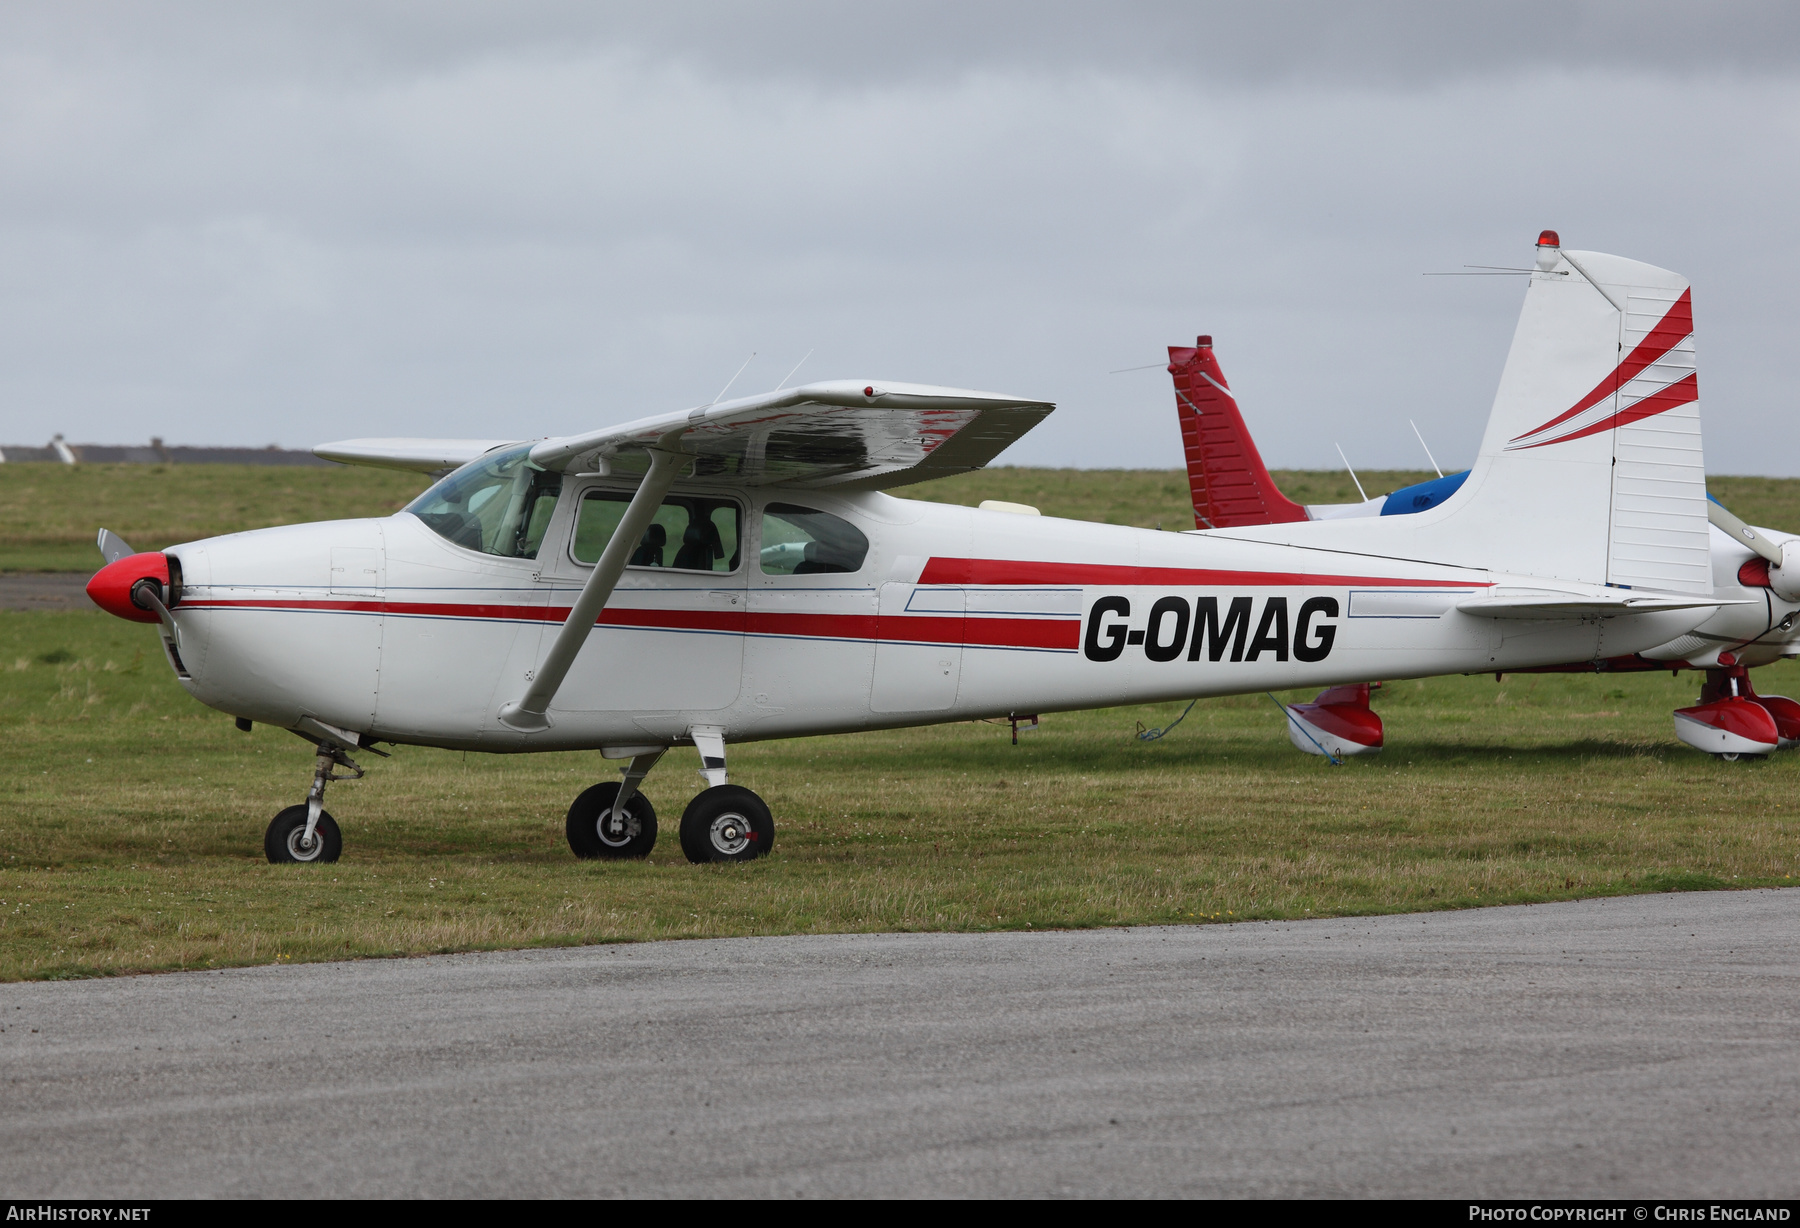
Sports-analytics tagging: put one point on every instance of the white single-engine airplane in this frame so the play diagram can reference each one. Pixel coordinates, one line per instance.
(734, 573)
(1232, 488)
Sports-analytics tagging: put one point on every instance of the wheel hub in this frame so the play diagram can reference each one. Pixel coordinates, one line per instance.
(617, 830)
(731, 834)
(302, 849)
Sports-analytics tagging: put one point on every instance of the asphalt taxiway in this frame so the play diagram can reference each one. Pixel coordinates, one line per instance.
(1645, 1046)
(45, 590)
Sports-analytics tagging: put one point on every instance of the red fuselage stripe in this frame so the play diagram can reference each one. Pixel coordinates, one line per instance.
(995, 571)
(1060, 633)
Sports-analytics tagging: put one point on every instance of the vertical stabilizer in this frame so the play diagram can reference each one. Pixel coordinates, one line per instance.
(1598, 413)
(1231, 485)
(1591, 468)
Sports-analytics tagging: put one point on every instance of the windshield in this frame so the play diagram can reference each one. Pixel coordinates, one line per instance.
(499, 504)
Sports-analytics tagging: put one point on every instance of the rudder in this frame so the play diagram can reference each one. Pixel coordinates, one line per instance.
(1230, 484)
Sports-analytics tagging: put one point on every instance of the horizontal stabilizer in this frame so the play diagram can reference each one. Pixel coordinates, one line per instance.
(1552, 605)
(412, 455)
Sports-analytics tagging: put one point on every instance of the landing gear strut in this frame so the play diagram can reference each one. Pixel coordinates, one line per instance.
(307, 833)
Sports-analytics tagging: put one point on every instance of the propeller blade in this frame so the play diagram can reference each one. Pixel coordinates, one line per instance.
(112, 546)
(1730, 524)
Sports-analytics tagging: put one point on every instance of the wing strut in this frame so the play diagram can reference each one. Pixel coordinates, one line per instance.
(527, 714)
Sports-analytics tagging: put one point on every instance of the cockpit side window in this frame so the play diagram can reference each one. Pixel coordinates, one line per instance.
(800, 541)
(688, 533)
(500, 504)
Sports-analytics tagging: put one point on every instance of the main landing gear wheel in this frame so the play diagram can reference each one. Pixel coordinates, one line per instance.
(596, 832)
(285, 841)
(726, 823)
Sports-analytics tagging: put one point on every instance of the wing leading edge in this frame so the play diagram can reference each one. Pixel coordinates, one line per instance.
(412, 455)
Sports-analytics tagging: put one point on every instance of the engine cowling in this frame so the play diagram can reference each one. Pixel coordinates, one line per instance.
(1785, 580)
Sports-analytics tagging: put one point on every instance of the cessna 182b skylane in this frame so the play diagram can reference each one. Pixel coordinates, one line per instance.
(1654, 380)
(735, 573)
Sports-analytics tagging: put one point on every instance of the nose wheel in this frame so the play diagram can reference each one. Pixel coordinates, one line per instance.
(288, 839)
(307, 833)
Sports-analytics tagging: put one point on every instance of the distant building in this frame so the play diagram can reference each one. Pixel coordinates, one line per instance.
(154, 453)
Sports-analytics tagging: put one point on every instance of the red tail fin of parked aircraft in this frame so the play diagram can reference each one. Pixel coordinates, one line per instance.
(1230, 483)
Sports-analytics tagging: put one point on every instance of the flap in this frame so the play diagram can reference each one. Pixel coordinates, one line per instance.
(843, 434)
(414, 455)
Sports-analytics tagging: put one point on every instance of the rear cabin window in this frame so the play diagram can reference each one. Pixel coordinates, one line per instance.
(500, 504)
(689, 533)
(801, 541)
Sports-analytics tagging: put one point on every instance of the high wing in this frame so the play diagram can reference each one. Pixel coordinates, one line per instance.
(843, 434)
(413, 455)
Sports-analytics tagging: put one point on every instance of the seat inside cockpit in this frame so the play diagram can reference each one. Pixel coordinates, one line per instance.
(703, 531)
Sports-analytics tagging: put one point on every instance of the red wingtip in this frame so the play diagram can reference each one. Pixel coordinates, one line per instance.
(111, 586)
(1548, 239)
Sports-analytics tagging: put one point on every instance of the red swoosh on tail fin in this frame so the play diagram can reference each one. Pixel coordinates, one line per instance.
(1675, 327)
(1679, 393)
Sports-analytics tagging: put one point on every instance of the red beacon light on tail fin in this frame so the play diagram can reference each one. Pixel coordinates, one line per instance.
(1549, 250)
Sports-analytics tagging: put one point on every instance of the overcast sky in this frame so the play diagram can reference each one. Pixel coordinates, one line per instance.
(225, 223)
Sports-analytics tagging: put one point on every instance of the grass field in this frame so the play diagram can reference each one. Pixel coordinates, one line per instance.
(49, 514)
(132, 818)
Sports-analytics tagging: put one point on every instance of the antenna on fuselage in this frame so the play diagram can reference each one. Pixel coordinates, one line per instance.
(1351, 472)
(1426, 446)
(733, 380)
(790, 374)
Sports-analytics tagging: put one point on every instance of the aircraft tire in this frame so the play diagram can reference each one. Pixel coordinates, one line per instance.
(589, 841)
(726, 823)
(281, 843)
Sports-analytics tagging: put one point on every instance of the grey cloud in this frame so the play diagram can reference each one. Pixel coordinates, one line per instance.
(238, 224)
(839, 46)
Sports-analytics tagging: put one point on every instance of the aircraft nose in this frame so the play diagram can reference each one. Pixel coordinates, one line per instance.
(112, 586)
